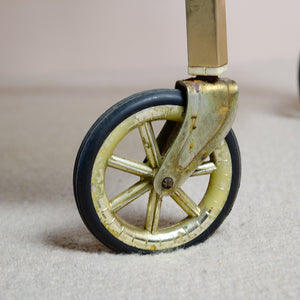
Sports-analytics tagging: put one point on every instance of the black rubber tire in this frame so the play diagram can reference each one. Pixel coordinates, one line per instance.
(95, 138)
(299, 79)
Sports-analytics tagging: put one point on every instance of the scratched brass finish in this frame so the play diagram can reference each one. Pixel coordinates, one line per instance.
(211, 109)
(200, 212)
(206, 35)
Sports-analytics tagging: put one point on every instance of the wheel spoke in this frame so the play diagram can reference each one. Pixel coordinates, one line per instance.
(150, 144)
(186, 203)
(153, 211)
(129, 195)
(205, 168)
(130, 166)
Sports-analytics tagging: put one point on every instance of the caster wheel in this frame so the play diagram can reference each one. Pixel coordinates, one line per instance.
(135, 218)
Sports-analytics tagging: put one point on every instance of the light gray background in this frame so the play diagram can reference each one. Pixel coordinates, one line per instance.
(62, 39)
(62, 64)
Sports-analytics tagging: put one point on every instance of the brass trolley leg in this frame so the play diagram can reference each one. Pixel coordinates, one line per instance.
(206, 34)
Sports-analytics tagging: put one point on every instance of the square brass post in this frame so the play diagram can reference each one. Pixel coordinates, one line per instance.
(206, 35)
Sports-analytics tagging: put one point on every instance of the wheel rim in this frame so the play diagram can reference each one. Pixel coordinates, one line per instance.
(200, 214)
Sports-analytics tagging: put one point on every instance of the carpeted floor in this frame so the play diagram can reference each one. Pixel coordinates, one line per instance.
(46, 251)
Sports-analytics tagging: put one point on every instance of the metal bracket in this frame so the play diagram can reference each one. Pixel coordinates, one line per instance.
(210, 112)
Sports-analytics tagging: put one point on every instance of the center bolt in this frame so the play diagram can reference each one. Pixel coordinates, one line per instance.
(167, 183)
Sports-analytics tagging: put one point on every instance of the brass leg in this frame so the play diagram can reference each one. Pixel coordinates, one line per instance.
(206, 33)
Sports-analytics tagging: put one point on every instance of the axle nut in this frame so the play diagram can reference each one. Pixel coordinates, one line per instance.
(167, 183)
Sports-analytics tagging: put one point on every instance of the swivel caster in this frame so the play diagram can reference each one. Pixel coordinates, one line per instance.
(102, 215)
(195, 141)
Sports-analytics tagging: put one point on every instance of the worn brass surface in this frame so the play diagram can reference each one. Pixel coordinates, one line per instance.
(201, 211)
(211, 109)
(206, 35)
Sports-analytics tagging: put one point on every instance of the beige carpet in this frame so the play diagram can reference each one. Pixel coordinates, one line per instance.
(46, 251)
